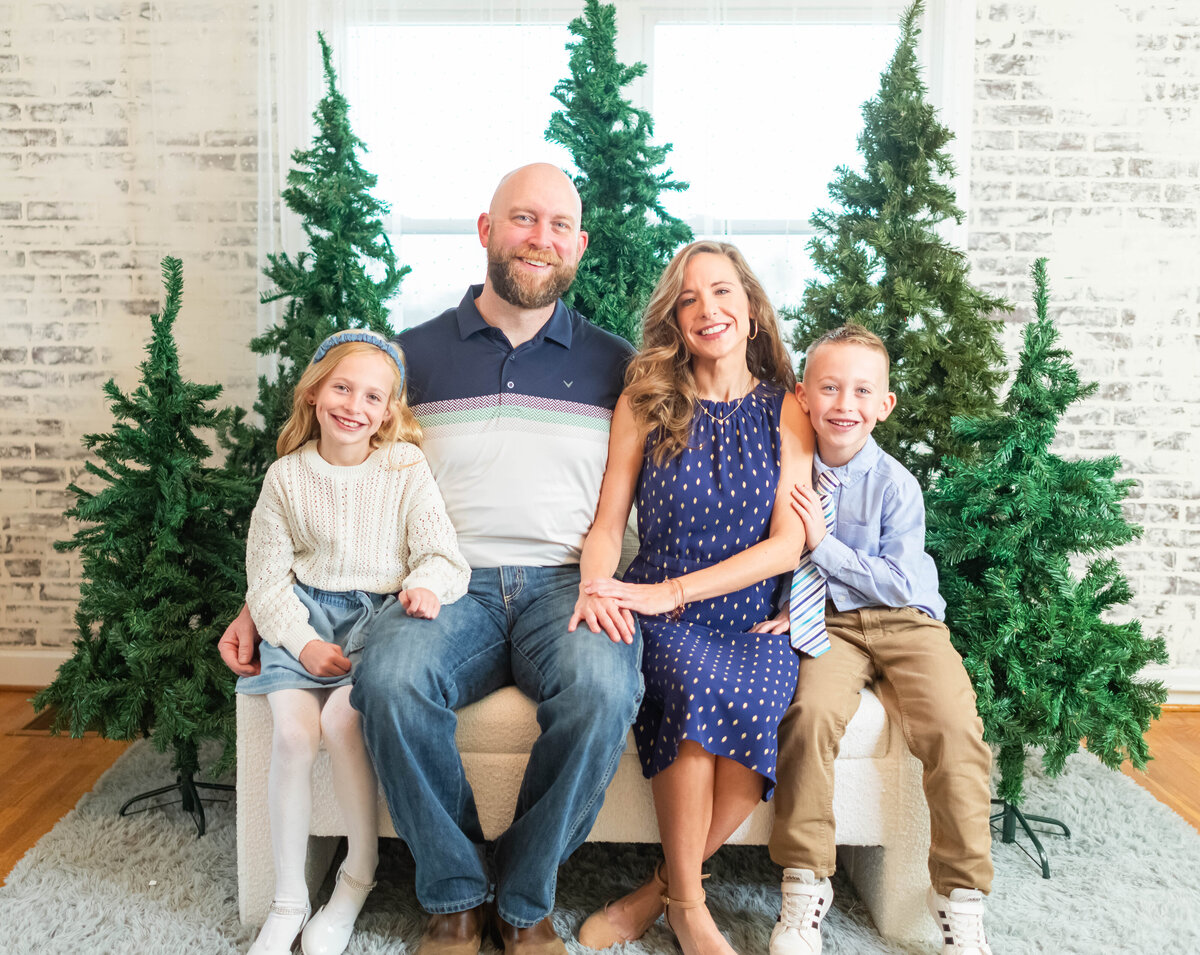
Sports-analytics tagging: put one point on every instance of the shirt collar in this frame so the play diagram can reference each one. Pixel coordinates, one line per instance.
(853, 470)
(557, 328)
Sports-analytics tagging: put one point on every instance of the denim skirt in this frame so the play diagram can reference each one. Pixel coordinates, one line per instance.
(341, 617)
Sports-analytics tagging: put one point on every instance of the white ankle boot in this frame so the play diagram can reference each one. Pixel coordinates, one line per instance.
(279, 931)
(806, 899)
(330, 929)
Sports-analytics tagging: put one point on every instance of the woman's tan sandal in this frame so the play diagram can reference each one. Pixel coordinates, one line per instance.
(599, 930)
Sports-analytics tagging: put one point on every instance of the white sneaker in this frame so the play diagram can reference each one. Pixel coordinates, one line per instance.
(280, 930)
(960, 919)
(806, 899)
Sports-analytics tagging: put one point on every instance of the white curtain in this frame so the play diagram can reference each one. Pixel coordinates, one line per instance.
(449, 96)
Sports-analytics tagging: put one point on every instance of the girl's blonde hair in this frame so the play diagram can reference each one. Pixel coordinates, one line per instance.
(659, 382)
(399, 423)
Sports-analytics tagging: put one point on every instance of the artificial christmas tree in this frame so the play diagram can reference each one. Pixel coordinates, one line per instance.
(329, 287)
(886, 266)
(631, 237)
(1049, 668)
(163, 571)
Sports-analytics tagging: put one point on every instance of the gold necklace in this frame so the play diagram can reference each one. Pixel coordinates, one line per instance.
(732, 410)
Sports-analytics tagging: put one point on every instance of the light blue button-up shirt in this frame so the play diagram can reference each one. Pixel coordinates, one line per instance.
(876, 556)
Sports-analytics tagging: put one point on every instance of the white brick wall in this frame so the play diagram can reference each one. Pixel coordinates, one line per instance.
(128, 130)
(126, 133)
(1086, 149)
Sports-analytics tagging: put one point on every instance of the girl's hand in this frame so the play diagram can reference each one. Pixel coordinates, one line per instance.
(640, 598)
(324, 659)
(807, 504)
(780, 623)
(602, 613)
(420, 602)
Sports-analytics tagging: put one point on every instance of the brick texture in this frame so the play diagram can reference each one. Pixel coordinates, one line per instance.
(126, 129)
(1084, 147)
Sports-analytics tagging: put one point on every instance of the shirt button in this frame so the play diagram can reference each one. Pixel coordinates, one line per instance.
(510, 384)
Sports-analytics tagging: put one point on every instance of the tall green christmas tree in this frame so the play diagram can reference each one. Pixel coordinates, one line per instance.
(328, 287)
(886, 266)
(163, 568)
(631, 235)
(1048, 665)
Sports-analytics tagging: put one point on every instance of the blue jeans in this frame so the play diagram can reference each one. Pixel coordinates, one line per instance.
(509, 628)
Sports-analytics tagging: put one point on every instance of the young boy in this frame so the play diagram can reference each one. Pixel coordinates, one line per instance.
(883, 617)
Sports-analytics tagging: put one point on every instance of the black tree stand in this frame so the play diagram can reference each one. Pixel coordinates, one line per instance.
(190, 800)
(1010, 817)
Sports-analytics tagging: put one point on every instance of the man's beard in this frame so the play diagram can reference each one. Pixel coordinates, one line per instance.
(523, 290)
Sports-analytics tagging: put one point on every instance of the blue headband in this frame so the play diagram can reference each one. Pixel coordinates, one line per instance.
(360, 335)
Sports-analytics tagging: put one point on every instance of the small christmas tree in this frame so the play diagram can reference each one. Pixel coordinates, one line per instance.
(1049, 669)
(887, 267)
(329, 287)
(631, 235)
(163, 570)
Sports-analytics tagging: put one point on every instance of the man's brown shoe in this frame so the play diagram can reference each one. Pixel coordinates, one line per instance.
(539, 939)
(457, 933)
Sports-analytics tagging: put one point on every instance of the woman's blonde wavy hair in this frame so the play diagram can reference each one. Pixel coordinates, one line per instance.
(659, 381)
(302, 426)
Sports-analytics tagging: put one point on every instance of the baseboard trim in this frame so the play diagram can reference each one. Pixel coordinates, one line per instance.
(21, 668)
(1182, 683)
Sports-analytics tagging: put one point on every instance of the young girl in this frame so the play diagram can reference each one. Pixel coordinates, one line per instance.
(349, 532)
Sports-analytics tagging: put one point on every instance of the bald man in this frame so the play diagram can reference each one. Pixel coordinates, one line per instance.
(514, 391)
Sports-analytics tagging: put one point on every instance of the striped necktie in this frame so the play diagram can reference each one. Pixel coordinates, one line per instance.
(807, 604)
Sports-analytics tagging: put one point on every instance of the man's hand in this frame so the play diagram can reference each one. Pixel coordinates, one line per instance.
(238, 645)
(419, 602)
(324, 659)
(602, 613)
(807, 504)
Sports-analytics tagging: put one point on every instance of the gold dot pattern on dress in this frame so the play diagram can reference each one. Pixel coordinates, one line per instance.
(707, 678)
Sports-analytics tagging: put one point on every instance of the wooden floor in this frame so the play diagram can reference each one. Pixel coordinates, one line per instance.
(42, 777)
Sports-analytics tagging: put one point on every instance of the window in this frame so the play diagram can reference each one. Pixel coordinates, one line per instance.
(760, 108)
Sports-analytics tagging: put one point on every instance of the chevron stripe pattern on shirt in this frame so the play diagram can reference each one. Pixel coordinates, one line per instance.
(807, 601)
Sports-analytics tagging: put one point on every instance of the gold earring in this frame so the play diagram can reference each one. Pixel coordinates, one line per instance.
(753, 322)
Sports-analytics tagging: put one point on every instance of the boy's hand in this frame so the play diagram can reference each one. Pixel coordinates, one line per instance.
(324, 659)
(780, 623)
(420, 602)
(807, 504)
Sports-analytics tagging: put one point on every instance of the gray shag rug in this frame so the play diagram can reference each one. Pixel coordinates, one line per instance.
(1128, 880)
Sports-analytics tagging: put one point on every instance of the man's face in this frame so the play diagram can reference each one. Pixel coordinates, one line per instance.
(533, 238)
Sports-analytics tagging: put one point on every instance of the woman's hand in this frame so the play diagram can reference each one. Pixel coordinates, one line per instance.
(324, 659)
(640, 598)
(419, 602)
(602, 613)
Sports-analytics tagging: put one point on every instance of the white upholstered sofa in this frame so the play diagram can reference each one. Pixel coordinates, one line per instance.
(882, 820)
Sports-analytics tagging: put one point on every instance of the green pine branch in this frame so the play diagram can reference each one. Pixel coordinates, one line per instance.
(327, 287)
(1050, 665)
(163, 566)
(631, 235)
(884, 264)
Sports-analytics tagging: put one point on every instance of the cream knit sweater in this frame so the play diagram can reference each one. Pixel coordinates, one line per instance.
(380, 526)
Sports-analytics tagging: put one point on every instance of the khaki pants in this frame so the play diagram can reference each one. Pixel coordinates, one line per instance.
(923, 684)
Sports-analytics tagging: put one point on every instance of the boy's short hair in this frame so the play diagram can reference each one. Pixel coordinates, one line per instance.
(852, 333)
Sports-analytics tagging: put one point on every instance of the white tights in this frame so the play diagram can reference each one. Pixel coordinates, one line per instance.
(301, 718)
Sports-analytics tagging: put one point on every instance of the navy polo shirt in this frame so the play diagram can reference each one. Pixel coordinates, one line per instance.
(517, 437)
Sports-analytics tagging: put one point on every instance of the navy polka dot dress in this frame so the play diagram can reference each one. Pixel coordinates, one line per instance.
(707, 679)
